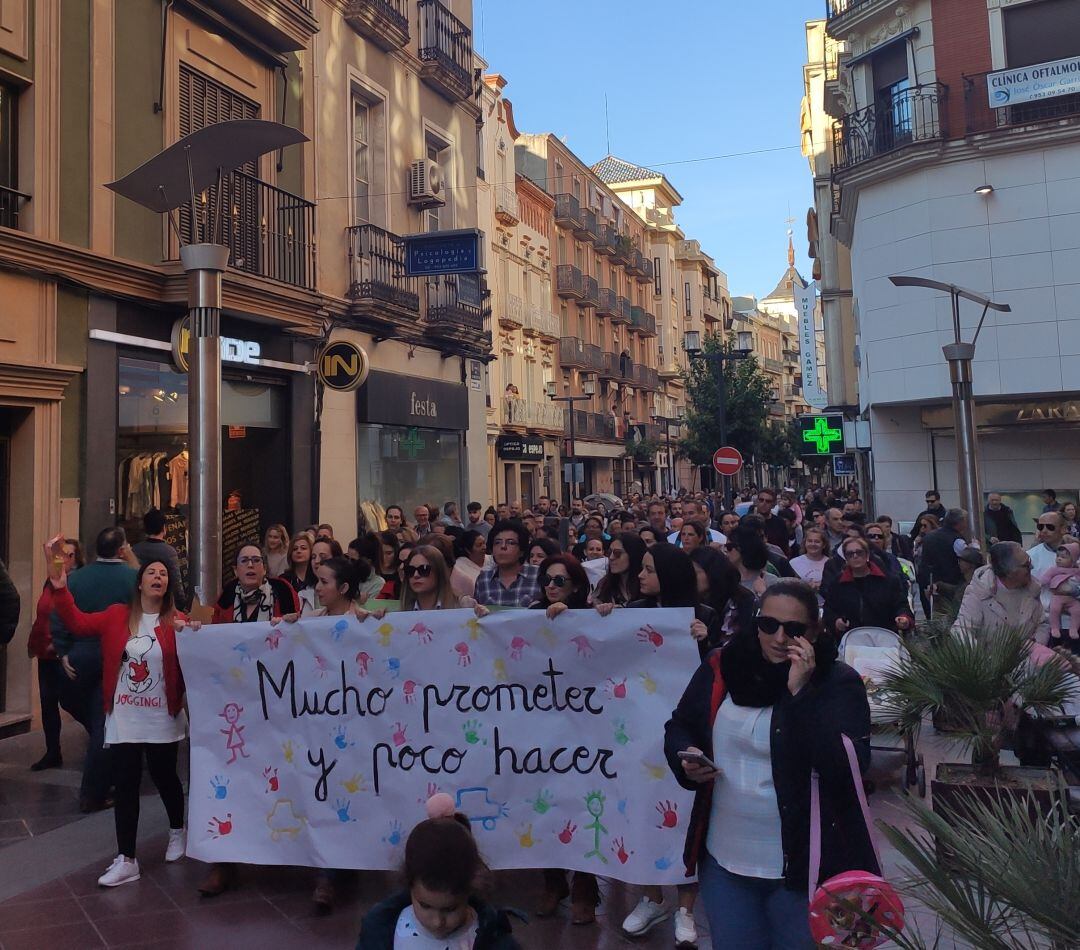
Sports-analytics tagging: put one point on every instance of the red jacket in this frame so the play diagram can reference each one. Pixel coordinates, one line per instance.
(40, 644)
(111, 626)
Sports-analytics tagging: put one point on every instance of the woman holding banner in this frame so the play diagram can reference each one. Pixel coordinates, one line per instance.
(757, 717)
(144, 702)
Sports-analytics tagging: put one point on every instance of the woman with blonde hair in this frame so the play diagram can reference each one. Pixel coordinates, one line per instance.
(427, 582)
(276, 550)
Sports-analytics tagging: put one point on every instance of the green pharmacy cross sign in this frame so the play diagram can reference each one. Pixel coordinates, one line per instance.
(413, 444)
(821, 435)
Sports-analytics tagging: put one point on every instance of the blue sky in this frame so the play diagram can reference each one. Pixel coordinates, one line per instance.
(684, 80)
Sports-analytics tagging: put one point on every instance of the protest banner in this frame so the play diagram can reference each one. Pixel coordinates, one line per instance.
(318, 743)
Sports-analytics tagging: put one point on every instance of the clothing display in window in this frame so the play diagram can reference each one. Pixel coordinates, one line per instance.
(151, 480)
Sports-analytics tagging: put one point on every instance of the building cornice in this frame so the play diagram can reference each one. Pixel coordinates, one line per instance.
(36, 381)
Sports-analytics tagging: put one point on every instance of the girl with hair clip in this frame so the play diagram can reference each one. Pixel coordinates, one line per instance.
(441, 907)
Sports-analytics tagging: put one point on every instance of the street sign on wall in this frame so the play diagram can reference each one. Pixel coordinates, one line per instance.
(442, 252)
(821, 435)
(843, 465)
(727, 460)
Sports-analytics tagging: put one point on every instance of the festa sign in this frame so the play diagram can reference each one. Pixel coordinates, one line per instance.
(318, 743)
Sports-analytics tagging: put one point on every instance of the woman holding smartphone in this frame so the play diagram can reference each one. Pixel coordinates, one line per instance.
(757, 717)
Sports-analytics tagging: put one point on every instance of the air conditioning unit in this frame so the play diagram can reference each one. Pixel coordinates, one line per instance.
(426, 184)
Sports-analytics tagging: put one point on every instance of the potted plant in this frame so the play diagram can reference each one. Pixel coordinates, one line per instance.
(980, 681)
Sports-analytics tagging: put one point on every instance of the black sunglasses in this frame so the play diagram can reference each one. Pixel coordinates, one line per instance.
(769, 625)
(559, 580)
(1046, 527)
(422, 570)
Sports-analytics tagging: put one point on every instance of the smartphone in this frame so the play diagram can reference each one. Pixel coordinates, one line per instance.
(699, 758)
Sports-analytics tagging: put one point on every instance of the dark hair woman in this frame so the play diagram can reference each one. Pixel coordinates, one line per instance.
(620, 585)
(139, 662)
(649, 536)
(746, 550)
(542, 548)
(763, 712)
(388, 565)
(719, 586)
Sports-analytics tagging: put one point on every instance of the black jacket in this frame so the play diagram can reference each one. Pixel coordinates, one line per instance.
(902, 546)
(10, 606)
(938, 563)
(377, 929)
(1001, 524)
(806, 730)
(702, 612)
(872, 601)
(938, 512)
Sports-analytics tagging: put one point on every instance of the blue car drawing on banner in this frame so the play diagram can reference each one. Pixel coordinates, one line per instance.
(476, 803)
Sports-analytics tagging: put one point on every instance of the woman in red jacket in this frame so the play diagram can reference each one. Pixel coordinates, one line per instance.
(144, 703)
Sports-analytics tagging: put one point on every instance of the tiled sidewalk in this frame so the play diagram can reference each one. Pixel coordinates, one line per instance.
(51, 856)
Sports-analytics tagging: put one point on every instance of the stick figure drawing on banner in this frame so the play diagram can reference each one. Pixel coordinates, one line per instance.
(594, 805)
(234, 739)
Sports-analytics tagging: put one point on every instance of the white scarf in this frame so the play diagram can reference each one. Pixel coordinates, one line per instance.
(261, 598)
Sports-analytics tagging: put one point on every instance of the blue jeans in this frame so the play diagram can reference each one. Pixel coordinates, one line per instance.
(750, 913)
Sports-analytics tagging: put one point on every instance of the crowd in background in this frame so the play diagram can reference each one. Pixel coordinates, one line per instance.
(808, 567)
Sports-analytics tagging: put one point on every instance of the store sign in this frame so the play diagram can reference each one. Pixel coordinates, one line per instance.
(1009, 87)
(520, 448)
(821, 435)
(343, 366)
(843, 465)
(442, 252)
(232, 350)
(394, 399)
(806, 305)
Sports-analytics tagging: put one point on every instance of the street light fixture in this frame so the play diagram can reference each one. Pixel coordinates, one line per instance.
(588, 390)
(959, 356)
(716, 360)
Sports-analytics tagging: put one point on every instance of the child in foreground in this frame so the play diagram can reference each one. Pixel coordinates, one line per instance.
(440, 909)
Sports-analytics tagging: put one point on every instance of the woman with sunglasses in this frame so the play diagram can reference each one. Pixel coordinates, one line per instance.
(564, 585)
(864, 595)
(621, 584)
(427, 583)
(668, 579)
(756, 718)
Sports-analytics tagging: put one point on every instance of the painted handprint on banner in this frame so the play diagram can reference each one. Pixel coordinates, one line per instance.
(288, 751)
(616, 690)
(393, 835)
(341, 738)
(322, 666)
(620, 732)
(498, 668)
(567, 834)
(341, 807)
(517, 647)
(464, 656)
(424, 633)
(384, 631)
(408, 690)
(219, 787)
(219, 827)
(648, 634)
(393, 667)
(273, 639)
(271, 776)
(542, 803)
(354, 784)
(669, 812)
(363, 660)
(398, 734)
(525, 836)
(584, 648)
(471, 728)
(338, 630)
(647, 683)
(618, 848)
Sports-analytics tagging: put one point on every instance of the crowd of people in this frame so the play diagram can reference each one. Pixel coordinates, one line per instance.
(774, 581)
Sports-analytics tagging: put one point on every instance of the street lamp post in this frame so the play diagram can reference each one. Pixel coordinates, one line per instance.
(588, 390)
(716, 360)
(669, 423)
(959, 356)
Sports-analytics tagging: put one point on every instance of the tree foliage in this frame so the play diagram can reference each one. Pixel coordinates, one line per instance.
(746, 390)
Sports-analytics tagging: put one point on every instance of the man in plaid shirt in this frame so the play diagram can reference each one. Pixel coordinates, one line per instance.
(511, 582)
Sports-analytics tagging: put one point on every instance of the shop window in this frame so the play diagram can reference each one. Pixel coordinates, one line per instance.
(10, 199)
(408, 466)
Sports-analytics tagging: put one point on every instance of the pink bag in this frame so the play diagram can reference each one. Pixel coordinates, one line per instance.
(833, 920)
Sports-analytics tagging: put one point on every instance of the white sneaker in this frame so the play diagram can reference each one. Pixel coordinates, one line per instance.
(644, 917)
(121, 871)
(685, 929)
(177, 844)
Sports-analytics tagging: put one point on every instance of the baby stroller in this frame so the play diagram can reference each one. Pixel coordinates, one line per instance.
(870, 651)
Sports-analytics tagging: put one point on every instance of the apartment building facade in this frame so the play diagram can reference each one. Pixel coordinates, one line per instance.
(602, 295)
(524, 427)
(949, 163)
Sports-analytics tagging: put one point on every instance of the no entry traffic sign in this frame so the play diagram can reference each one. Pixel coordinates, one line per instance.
(727, 460)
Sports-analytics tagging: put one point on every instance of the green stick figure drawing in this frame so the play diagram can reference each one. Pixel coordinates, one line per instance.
(594, 805)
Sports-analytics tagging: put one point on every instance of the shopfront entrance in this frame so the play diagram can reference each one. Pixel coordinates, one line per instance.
(521, 458)
(410, 441)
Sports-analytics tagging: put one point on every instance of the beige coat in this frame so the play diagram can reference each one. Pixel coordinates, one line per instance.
(982, 608)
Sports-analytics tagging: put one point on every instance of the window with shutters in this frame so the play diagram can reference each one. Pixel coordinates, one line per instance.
(10, 199)
(361, 136)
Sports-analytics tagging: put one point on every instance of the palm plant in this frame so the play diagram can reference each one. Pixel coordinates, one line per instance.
(1012, 881)
(981, 680)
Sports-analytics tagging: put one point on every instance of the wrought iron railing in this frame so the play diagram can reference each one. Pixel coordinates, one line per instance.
(572, 352)
(506, 203)
(567, 211)
(11, 201)
(590, 296)
(835, 8)
(446, 43)
(609, 303)
(378, 15)
(590, 227)
(911, 115)
(569, 281)
(453, 302)
(606, 239)
(624, 308)
(269, 232)
(541, 321)
(981, 115)
(377, 268)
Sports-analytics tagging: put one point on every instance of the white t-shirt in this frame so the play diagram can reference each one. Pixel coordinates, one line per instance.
(140, 710)
(1042, 558)
(410, 934)
(744, 824)
(809, 569)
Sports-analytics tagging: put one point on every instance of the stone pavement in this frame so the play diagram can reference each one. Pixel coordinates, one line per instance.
(51, 856)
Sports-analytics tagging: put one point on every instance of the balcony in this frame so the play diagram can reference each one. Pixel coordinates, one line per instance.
(791, 357)
(568, 212)
(776, 409)
(647, 274)
(911, 116)
(506, 205)
(669, 370)
(623, 251)
(569, 282)
(606, 239)
(593, 357)
(11, 202)
(269, 232)
(455, 307)
(610, 366)
(609, 304)
(590, 296)
(623, 316)
(445, 51)
(526, 414)
(379, 289)
(980, 116)
(384, 22)
(644, 323)
(771, 365)
(591, 425)
(710, 308)
(590, 227)
(572, 353)
(541, 322)
(513, 316)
